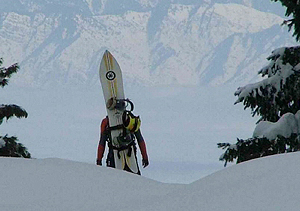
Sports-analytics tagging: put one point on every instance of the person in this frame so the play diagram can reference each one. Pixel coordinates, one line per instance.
(105, 137)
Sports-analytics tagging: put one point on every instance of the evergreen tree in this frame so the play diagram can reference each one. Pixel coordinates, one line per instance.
(272, 98)
(292, 9)
(275, 99)
(8, 145)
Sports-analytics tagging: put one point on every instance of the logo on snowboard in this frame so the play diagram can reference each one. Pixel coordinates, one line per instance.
(110, 75)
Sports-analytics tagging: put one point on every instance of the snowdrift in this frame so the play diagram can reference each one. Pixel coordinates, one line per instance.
(269, 183)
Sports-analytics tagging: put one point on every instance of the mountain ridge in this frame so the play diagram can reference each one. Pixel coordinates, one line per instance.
(158, 43)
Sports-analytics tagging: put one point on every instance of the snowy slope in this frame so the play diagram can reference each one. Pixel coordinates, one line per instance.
(155, 42)
(266, 184)
(270, 183)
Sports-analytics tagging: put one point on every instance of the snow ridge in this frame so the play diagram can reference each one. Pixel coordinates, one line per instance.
(258, 184)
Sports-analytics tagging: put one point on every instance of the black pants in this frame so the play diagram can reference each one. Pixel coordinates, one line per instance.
(110, 161)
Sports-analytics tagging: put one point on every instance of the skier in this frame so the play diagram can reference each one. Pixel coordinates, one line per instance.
(105, 136)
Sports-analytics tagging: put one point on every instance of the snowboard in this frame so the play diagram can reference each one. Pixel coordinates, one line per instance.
(113, 91)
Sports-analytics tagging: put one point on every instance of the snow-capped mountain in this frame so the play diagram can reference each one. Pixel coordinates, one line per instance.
(184, 42)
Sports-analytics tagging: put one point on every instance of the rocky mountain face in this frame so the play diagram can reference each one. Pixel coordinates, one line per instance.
(156, 42)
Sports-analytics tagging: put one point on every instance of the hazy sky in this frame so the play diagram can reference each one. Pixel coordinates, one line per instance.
(181, 126)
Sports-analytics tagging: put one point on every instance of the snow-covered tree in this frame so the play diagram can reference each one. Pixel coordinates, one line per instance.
(276, 99)
(279, 93)
(8, 145)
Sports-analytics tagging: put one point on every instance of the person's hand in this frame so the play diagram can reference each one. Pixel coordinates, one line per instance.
(99, 162)
(145, 163)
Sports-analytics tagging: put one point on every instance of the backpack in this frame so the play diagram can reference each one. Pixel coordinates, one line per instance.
(130, 122)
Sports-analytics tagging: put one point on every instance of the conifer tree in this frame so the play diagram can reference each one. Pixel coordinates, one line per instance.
(9, 147)
(271, 99)
(292, 9)
(276, 99)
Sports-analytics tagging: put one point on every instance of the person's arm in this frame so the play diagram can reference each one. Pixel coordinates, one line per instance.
(102, 142)
(143, 149)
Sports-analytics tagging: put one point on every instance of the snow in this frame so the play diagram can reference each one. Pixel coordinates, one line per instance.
(239, 16)
(285, 126)
(269, 183)
(277, 72)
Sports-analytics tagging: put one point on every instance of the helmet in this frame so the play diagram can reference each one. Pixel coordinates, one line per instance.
(131, 122)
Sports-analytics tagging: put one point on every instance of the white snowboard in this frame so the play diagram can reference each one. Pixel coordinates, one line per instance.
(112, 86)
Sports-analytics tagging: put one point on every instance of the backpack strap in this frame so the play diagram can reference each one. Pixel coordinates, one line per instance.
(116, 127)
(119, 149)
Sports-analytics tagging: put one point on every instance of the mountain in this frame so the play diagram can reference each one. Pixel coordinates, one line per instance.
(268, 184)
(185, 42)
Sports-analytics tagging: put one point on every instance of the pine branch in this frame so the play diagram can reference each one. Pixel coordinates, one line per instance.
(244, 150)
(10, 148)
(3, 82)
(5, 73)
(292, 9)
(9, 111)
(8, 145)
